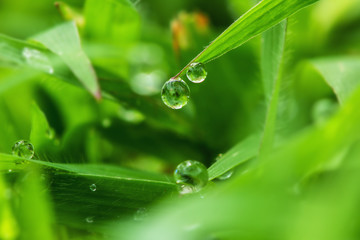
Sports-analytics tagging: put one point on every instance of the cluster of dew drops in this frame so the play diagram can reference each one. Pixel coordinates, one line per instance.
(176, 93)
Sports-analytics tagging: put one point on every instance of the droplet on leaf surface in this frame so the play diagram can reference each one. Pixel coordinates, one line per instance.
(23, 149)
(93, 187)
(191, 176)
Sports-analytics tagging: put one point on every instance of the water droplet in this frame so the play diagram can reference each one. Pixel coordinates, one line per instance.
(175, 93)
(37, 60)
(10, 170)
(196, 73)
(106, 122)
(191, 176)
(23, 149)
(93, 187)
(89, 219)
(323, 110)
(141, 214)
(227, 174)
(50, 133)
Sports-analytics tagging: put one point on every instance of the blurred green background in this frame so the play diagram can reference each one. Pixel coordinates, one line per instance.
(134, 47)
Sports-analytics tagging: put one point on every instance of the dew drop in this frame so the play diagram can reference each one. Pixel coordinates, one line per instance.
(23, 149)
(93, 187)
(89, 219)
(227, 174)
(196, 72)
(37, 60)
(175, 93)
(10, 170)
(323, 110)
(191, 176)
(141, 214)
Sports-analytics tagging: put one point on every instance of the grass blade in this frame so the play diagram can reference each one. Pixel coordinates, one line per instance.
(64, 40)
(273, 51)
(263, 16)
(242, 152)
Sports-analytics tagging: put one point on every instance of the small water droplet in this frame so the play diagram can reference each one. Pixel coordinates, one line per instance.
(227, 174)
(89, 219)
(23, 149)
(191, 176)
(37, 60)
(323, 110)
(106, 122)
(50, 133)
(93, 187)
(175, 93)
(10, 170)
(141, 214)
(196, 72)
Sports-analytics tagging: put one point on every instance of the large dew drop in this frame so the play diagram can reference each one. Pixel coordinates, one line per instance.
(196, 73)
(191, 176)
(175, 93)
(23, 149)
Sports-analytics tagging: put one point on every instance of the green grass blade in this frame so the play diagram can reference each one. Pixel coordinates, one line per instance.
(341, 73)
(36, 221)
(118, 193)
(242, 152)
(64, 40)
(263, 16)
(9, 228)
(272, 58)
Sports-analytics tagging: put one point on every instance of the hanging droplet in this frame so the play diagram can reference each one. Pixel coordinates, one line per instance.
(196, 73)
(191, 176)
(93, 187)
(23, 149)
(37, 60)
(141, 214)
(175, 93)
(227, 174)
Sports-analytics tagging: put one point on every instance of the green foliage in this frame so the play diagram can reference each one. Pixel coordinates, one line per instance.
(81, 80)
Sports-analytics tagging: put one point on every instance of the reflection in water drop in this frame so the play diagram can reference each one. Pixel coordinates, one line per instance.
(191, 176)
(23, 149)
(196, 73)
(175, 93)
(38, 60)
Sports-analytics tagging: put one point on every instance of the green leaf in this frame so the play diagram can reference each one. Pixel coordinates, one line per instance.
(119, 22)
(118, 191)
(341, 73)
(8, 226)
(39, 134)
(272, 58)
(242, 152)
(64, 41)
(258, 19)
(36, 219)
